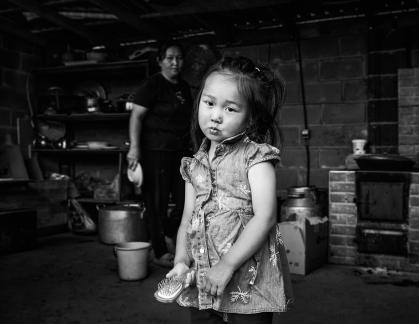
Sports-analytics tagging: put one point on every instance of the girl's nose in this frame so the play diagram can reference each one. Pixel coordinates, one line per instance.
(216, 116)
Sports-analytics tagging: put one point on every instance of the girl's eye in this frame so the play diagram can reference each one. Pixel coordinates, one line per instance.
(231, 109)
(208, 102)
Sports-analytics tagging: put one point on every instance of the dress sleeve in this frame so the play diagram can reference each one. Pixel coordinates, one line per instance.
(258, 153)
(185, 170)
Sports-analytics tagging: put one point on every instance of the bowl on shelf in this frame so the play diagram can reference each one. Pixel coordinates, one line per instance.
(97, 144)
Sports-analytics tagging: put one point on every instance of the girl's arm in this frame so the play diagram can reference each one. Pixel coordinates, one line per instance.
(262, 180)
(182, 261)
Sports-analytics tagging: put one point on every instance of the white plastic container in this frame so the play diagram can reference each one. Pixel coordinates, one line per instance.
(132, 260)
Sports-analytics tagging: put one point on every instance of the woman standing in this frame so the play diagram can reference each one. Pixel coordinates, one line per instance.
(159, 137)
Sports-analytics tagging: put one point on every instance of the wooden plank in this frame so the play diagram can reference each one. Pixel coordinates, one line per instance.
(129, 18)
(9, 27)
(59, 20)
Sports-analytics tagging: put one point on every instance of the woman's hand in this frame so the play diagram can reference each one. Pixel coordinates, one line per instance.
(217, 278)
(132, 157)
(181, 269)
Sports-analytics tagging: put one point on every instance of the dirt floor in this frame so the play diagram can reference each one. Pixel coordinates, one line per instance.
(73, 280)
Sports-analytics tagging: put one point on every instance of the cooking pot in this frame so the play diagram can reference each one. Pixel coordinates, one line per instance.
(384, 162)
(122, 223)
(301, 203)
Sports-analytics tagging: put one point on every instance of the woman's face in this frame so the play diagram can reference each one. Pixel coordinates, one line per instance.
(222, 112)
(172, 63)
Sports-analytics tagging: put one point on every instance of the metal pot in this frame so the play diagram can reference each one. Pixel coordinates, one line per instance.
(301, 203)
(122, 223)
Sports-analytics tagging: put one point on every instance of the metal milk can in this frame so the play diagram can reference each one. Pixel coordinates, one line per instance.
(301, 203)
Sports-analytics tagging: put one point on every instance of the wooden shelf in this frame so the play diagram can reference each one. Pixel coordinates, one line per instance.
(119, 67)
(85, 117)
(102, 201)
(75, 150)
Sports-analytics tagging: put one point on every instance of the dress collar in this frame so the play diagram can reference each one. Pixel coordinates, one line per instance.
(225, 144)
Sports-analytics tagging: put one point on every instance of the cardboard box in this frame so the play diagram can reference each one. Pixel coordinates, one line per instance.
(306, 243)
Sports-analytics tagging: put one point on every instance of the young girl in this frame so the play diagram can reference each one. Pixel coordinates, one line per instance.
(227, 243)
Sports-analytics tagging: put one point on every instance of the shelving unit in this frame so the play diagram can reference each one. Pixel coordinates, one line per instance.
(116, 79)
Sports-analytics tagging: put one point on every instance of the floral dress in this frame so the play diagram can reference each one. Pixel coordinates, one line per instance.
(222, 209)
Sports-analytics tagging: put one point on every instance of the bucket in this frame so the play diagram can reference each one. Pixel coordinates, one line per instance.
(132, 260)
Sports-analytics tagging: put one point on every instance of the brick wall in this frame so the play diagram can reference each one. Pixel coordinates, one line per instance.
(343, 221)
(17, 59)
(408, 112)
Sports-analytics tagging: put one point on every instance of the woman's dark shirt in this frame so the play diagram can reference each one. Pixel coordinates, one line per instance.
(169, 107)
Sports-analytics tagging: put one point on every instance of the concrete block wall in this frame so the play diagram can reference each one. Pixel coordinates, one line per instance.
(335, 80)
(17, 59)
(387, 52)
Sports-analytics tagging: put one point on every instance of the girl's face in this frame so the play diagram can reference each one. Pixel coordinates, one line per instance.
(172, 63)
(222, 112)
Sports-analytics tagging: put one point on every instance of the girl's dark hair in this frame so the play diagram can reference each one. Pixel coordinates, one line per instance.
(261, 88)
(161, 53)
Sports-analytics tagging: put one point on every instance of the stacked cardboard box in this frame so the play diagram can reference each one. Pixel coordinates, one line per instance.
(306, 243)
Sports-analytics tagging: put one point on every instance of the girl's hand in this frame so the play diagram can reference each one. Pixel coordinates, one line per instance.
(217, 278)
(181, 269)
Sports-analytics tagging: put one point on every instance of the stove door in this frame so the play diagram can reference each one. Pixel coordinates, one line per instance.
(382, 199)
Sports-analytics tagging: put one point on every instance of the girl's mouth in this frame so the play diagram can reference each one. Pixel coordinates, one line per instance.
(214, 131)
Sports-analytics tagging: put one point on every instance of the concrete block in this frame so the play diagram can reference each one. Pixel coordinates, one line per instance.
(286, 51)
(387, 62)
(286, 177)
(382, 110)
(355, 90)
(344, 113)
(294, 157)
(319, 48)
(384, 135)
(311, 71)
(353, 45)
(342, 68)
(336, 135)
(293, 93)
(332, 158)
(288, 71)
(324, 92)
(383, 86)
(290, 135)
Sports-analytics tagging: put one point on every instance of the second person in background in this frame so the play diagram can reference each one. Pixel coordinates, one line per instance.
(159, 138)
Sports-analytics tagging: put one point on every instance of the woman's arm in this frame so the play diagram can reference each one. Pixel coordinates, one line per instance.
(135, 122)
(262, 179)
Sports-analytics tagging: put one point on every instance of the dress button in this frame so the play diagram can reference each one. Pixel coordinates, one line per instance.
(202, 250)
